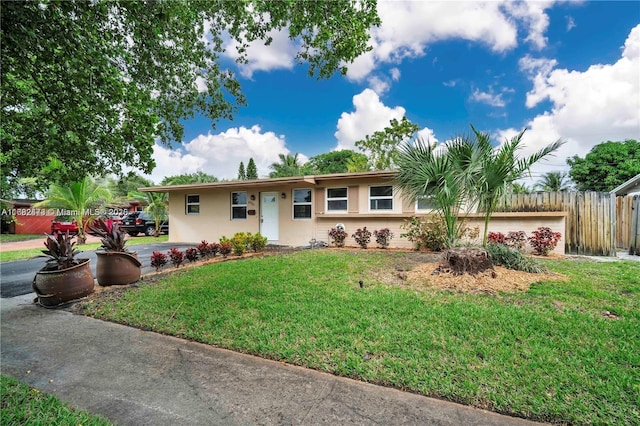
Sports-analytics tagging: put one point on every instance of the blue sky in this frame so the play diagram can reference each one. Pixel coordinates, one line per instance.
(567, 70)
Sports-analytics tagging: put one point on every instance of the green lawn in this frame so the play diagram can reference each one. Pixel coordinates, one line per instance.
(548, 354)
(10, 238)
(8, 256)
(23, 405)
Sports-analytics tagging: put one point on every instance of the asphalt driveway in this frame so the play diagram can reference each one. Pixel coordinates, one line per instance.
(16, 276)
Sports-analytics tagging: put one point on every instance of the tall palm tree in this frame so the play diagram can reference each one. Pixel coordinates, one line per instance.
(499, 168)
(81, 199)
(287, 166)
(553, 182)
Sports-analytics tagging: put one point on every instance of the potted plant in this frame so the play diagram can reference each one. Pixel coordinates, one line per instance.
(116, 265)
(64, 277)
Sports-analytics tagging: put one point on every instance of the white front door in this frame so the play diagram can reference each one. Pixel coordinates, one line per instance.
(269, 215)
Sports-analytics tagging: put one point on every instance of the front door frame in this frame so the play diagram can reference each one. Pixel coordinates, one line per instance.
(270, 228)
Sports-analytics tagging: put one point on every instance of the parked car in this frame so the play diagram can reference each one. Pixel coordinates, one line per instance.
(137, 222)
(64, 224)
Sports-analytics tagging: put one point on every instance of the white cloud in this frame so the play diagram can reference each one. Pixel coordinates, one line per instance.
(571, 24)
(407, 28)
(280, 54)
(370, 116)
(221, 154)
(379, 85)
(488, 98)
(450, 83)
(395, 74)
(588, 108)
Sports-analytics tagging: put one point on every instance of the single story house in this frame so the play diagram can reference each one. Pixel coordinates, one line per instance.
(294, 211)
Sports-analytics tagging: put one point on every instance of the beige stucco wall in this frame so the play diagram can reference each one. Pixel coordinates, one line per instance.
(214, 219)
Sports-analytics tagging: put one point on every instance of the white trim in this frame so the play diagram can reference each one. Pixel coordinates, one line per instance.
(418, 210)
(306, 203)
(327, 199)
(187, 204)
(238, 205)
(381, 197)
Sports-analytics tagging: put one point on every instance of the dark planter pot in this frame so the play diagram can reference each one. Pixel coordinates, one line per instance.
(57, 287)
(117, 268)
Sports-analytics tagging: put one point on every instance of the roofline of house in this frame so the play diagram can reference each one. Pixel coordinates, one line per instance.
(628, 186)
(384, 174)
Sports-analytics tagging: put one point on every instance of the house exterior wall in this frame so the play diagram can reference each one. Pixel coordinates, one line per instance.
(214, 219)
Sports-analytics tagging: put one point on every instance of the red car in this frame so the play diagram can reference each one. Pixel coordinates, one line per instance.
(64, 224)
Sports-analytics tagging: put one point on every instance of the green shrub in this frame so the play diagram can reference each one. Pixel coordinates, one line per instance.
(258, 242)
(241, 242)
(510, 258)
(429, 233)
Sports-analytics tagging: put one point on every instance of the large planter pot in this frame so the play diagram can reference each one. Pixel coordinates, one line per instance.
(61, 286)
(117, 268)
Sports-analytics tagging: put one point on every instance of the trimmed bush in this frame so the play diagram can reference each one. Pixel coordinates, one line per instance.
(383, 237)
(337, 236)
(544, 240)
(362, 237)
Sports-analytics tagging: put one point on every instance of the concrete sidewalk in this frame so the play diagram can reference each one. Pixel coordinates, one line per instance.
(135, 377)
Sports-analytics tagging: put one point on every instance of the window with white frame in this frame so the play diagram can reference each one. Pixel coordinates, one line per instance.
(192, 204)
(238, 205)
(381, 198)
(425, 203)
(302, 203)
(337, 199)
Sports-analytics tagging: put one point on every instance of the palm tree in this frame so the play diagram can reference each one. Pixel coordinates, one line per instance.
(553, 182)
(441, 174)
(288, 166)
(81, 199)
(499, 168)
(157, 204)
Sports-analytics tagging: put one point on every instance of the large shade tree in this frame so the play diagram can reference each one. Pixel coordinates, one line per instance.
(333, 162)
(382, 147)
(88, 86)
(606, 166)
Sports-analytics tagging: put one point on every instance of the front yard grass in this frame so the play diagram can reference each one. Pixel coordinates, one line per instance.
(9, 256)
(10, 238)
(23, 405)
(565, 352)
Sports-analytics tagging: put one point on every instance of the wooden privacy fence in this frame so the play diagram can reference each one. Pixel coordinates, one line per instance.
(589, 217)
(631, 232)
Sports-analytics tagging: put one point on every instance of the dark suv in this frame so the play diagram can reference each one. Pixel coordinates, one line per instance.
(137, 222)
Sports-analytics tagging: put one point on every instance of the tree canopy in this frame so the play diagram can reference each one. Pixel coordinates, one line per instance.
(185, 179)
(88, 86)
(553, 182)
(333, 162)
(383, 146)
(606, 166)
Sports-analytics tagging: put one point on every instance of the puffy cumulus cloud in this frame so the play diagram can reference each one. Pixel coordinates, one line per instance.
(171, 162)
(220, 154)
(370, 116)
(589, 107)
(407, 28)
(280, 54)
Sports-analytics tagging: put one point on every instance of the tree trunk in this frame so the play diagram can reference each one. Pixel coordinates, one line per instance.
(468, 260)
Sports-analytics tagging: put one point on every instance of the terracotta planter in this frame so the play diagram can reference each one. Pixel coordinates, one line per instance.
(57, 287)
(117, 268)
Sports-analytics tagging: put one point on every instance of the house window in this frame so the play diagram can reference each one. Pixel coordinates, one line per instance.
(192, 204)
(302, 204)
(238, 205)
(425, 203)
(336, 199)
(381, 197)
